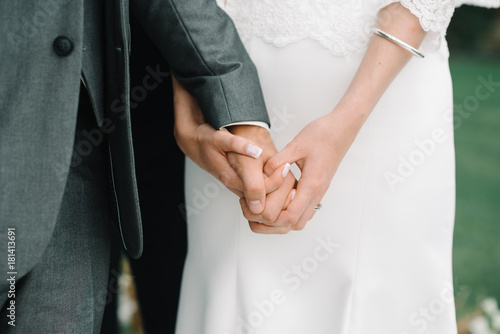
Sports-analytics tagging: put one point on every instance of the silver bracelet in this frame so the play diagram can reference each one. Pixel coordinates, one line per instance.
(399, 42)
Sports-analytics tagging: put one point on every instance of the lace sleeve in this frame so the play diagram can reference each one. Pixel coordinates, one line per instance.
(343, 27)
(434, 15)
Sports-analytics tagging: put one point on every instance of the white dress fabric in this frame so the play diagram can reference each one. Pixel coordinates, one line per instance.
(377, 257)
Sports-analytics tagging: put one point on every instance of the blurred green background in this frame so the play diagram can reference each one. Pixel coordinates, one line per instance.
(477, 227)
(475, 32)
(474, 41)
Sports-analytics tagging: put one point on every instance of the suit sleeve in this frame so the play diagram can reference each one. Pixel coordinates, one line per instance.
(206, 55)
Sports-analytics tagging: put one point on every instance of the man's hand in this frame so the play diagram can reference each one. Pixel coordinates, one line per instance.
(236, 159)
(206, 146)
(256, 185)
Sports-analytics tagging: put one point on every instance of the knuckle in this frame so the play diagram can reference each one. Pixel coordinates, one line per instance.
(225, 179)
(285, 230)
(255, 227)
(316, 186)
(233, 160)
(218, 135)
(221, 137)
(289, 221)
(299, 227)
(248, 215)
(269, 216)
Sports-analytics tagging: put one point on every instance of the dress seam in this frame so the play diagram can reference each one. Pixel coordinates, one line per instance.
(237, 276)
(356, 262)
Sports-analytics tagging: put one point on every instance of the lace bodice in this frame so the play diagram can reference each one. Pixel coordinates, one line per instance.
(341, 26)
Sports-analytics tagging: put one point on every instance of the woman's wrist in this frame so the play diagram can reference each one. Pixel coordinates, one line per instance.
(341, 128)
(350, 115)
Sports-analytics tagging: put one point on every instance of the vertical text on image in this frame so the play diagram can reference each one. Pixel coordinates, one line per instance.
(11, 275)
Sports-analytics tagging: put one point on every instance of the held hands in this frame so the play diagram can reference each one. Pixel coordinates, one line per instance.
(263, 196)
(245, 160)
(317, 150)
(226, 156)
(236, 159)
(267, 201)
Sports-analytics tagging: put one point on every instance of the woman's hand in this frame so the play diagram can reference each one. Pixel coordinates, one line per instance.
(318, 151)
(319, 148)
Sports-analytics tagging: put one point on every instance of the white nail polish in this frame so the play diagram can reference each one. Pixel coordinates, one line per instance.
(253, 151)
(286, 170)
(294, 192)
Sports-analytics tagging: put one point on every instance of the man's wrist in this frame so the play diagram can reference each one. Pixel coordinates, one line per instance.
(255, 123)
(253, 132)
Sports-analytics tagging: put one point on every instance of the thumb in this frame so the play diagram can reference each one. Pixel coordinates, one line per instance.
(254, 189)
(288, 155)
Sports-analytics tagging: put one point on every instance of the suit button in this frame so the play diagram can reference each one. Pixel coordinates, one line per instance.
(63, 46)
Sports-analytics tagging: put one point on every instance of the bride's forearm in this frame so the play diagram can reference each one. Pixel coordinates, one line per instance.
(320, 147)
(381, 63)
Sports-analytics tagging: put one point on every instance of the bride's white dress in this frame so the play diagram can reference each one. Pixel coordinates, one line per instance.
(376, 259)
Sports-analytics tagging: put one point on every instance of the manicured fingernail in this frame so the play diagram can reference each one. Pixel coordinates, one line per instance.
(286, 170)
(255, 207)
(264, 175)
(253, 151)
(293, 194)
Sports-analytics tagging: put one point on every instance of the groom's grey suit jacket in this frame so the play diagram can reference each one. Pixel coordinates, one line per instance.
(39, 89)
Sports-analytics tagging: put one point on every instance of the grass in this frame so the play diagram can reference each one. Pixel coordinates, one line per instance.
(476, 253)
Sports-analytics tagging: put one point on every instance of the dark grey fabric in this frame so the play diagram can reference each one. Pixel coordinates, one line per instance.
(201, 44)
(39, 94)
(39, 98)
(66, 291)
(93, 55)
(161, 196)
